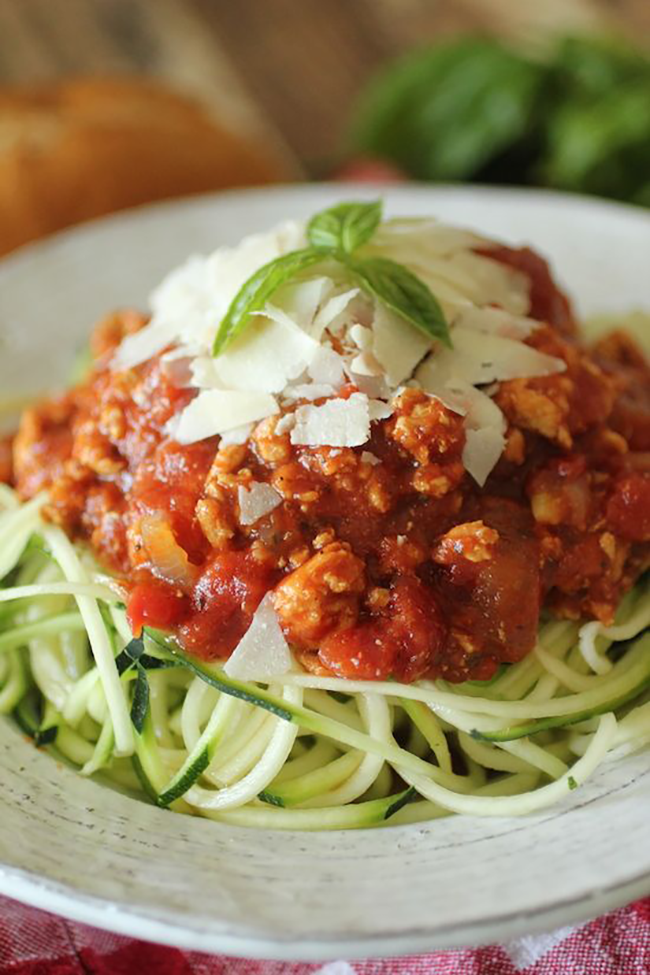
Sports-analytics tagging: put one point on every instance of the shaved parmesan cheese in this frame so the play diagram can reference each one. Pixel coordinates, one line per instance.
(333, 309)
(204, 375)
(192, 299)
(497, 321)
(479, 358)
(407, 240)
(217, 411)
(337, 423)
(373, 386)
(300, 302)
(309, 391)
(148, 342)
(262, 652)
(237, 435)
(486, 282)
(365, 364)
(481, 452)
(256, 501)
(362, 337)
(285, 423)
(378, 410)
(327, 366)
(397, 345)
(485, 426)
(268, 354)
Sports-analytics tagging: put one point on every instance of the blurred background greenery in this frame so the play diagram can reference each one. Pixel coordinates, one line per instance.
(553, 92)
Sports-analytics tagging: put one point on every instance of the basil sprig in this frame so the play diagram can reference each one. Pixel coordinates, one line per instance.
(337, 234)
(344, 228)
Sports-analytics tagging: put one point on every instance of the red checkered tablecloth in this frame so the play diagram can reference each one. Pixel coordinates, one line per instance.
(35, 943)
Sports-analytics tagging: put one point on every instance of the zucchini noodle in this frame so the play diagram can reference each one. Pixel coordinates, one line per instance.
(304, 752)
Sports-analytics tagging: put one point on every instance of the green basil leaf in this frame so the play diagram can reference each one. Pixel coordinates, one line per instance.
(344, 227)
(403, 292)
(448, 111)
(603, 146)
(254, 293)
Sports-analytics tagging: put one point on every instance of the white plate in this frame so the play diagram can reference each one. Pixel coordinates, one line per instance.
(71, 846)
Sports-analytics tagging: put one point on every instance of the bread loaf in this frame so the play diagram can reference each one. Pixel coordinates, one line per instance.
(85, 148)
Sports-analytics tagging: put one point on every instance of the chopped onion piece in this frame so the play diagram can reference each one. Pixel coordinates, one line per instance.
(168, 559)
(368, 458)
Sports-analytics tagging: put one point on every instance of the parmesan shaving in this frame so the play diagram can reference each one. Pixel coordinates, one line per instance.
(309, 391)
(271, 352)
(497, 321)
(286, 350)
(256, 501)
(217, 411)
(237, 435)
(192, 299)
(485, 426)
(262, 652)
(480, 357)
(481, 452)
(397, 345)
(285, 423)
(327, 366)
(337, 423)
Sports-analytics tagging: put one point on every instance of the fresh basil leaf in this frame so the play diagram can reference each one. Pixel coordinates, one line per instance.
(448, 111)
(254, 293)
(403, 292)
(344, 227)
(140, 704)
(592, 67)
(603, 146)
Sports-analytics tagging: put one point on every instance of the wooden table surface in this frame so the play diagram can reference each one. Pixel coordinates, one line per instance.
(286, 70)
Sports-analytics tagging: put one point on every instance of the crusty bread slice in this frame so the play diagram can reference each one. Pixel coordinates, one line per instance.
(87, 147)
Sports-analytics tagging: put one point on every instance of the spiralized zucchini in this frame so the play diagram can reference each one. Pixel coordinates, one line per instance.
(306, 752)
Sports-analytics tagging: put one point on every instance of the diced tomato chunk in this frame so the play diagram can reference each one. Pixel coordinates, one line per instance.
(628, 509)
(223, 603)
(155, 604)
(403, 645)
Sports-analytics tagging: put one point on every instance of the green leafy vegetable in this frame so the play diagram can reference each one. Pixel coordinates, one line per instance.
(447, 112)
(471, 109)
(337, 234)
(255, 292)
(344, 227)
(403, 292)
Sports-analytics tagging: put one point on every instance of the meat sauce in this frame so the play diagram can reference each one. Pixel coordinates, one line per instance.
(386, 560)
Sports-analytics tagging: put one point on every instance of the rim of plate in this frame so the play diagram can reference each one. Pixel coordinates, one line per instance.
(210, 934)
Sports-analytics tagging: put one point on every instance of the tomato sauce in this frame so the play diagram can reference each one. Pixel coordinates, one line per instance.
(387, 560)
